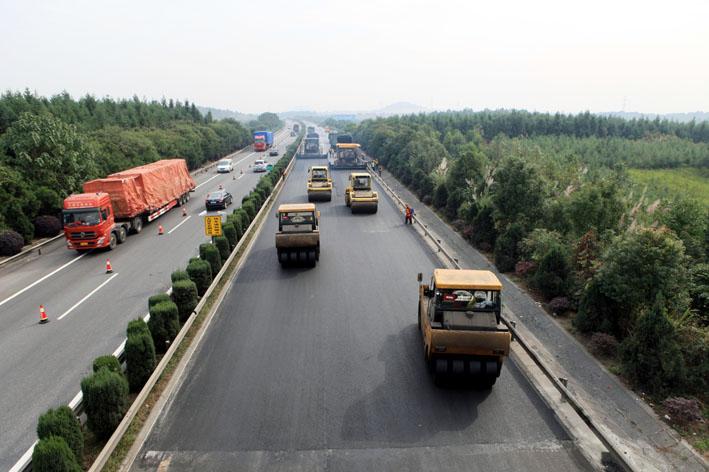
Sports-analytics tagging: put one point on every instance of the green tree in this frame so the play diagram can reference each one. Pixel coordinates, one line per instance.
(49, 152)
(656, 260)
(52, 454)
(517, 193)
(651, 355)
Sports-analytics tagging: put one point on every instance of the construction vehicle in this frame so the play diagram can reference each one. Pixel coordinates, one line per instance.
(461, 326)
(298, 236)
(310, 129)
(319, 184)
(347, 156)
(311, 148)
(359, 195)
(296, 128)
(332, 138)
(111, 208)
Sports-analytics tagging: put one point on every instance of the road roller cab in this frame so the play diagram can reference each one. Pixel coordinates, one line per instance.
(319, 184)
(461, 326)
(359, 195)
(298, 236)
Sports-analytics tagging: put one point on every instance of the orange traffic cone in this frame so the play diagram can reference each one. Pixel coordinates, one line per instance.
(242, 170)
(161, 231)
(221, 187)
(43, 318)
(184, 211)
(109, 269)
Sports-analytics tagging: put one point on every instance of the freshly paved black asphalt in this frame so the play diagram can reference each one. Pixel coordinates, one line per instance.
(322, 369)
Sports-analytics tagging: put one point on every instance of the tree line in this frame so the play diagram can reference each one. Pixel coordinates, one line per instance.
(561, 212)
(50, 146)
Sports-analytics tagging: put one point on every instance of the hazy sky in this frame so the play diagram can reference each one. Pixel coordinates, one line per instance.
(547, 55)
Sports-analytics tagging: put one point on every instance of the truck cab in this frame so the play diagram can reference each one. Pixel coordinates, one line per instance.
(89, 222)
(461, 326)
(359, 195)
(298, 235)
(319, 184)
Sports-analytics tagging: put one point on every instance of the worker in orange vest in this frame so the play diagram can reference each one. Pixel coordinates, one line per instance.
(408, 214)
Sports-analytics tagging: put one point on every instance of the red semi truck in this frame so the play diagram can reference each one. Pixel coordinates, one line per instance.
(111, 208)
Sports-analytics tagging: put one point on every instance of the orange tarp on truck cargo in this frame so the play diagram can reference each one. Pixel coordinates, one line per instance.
(146, 188)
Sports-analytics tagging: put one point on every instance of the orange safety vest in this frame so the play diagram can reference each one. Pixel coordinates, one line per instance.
(408, 212)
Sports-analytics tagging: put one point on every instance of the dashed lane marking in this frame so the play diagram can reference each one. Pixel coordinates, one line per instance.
(87, 296)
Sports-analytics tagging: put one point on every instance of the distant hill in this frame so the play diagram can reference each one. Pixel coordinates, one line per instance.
(698, 116)
(218, 114)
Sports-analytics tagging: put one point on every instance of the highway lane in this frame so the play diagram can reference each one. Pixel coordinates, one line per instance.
(41, 365)
(322, 369)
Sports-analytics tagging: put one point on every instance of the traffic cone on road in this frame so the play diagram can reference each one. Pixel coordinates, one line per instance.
(221, 187)
(184, 211)
(161, 231)
(109, 269)
(242, 170)
(43, 318)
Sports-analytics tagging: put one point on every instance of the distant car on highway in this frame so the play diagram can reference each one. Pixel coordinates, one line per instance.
(260, 166)
(218, 200)
(273, 152)
(292, 133)
(225, 165)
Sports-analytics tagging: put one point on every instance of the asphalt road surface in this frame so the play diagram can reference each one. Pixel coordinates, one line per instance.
(41, 366)
(322, 369)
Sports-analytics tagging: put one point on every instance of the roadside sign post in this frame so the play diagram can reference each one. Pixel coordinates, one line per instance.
(213, 226)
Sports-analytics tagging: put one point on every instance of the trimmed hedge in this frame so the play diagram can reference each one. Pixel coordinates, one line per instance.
(164, 324)
(185, 296)
(179, 275)
(250, 208)
(140, 355)
(137, 326)
(158, 298)
(46, 226)
(230, 233)
(11, 242)
(53, 454)
(223, 246)
(201, 274)
(105, 399)
(63, 424)
(210, 253)
(107, 362)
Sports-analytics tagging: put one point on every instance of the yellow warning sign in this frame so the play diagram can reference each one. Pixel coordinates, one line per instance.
(213, 225)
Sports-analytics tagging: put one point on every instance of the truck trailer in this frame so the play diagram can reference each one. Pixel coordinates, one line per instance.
(111, 208)
(262, 140)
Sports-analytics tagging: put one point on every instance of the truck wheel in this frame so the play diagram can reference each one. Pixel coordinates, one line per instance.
(122, 235)
(112, 242)
(317, 253)
(137, 224)
(311, 258)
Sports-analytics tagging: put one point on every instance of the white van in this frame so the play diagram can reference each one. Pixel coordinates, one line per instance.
(225, 165)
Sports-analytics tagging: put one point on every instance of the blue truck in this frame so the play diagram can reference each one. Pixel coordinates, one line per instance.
(262, 140)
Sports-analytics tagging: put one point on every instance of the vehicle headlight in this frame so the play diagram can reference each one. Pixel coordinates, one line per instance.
(101, 240)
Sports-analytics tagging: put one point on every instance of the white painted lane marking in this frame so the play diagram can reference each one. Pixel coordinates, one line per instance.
(87, 296)
(179, 224)
(211, 178)
(240, 176)
(202, 213)
(41, 280)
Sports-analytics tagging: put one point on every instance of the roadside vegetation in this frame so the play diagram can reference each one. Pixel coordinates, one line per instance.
(50, 146)
(604, 219)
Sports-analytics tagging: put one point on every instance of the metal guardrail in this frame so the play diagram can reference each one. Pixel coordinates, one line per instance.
(24, 464)
(618, 455)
